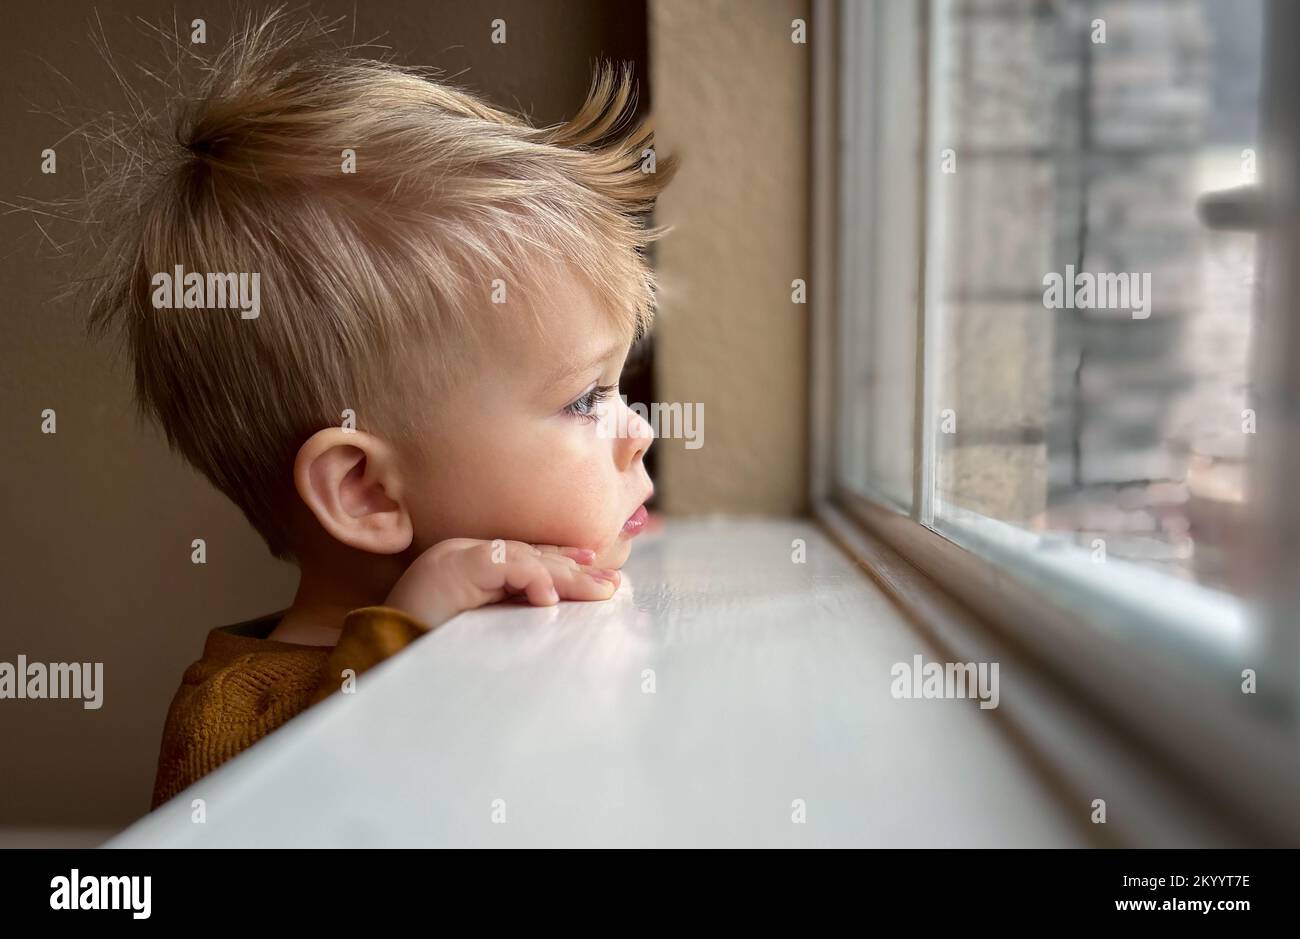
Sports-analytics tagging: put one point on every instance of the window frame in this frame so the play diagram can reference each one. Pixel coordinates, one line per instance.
(1241, 773)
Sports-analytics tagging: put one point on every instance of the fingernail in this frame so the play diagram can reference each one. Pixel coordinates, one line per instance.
(581, 555)
(555, 597)
(604, 574)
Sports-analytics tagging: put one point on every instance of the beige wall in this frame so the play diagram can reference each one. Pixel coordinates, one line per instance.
(99, 518)
(731, 97)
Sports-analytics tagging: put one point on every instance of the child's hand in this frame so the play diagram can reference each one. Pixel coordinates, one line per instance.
(463, 574)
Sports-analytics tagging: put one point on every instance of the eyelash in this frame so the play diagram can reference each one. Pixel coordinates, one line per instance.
(588, 403)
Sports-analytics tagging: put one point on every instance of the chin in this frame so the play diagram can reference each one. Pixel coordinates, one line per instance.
(615, 555)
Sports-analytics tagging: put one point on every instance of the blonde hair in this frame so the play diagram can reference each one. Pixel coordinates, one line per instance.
(449, 194)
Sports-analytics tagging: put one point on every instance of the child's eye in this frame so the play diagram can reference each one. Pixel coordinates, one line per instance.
(584, 408)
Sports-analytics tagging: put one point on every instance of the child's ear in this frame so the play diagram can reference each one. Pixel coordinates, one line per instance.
(350, 481)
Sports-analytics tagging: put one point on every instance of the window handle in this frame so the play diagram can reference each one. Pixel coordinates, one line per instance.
(1244, 208)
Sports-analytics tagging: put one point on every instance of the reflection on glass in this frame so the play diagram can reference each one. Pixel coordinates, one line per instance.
(1095, 336)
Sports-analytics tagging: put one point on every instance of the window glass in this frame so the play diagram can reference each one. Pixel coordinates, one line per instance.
(1092, 337)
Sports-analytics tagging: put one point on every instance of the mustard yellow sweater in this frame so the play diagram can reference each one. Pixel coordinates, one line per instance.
(246, 685)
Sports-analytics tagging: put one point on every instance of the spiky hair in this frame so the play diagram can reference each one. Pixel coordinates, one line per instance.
(245, 173)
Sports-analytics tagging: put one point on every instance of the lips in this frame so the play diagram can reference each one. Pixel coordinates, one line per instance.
(634, 524)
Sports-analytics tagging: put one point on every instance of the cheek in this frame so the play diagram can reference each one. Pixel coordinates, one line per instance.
(553, 485)
(570, 495)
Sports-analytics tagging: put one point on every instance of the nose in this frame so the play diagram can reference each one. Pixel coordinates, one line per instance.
(631, 447)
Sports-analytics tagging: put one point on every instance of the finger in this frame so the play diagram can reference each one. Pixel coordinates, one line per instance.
(576, 582)
(496, 572)
(532, 578)
(581, 555)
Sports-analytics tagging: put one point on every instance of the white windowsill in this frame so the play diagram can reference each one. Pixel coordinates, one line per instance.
(772, 684)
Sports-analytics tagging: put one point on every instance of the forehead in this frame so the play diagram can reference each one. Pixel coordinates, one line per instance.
(553, 321)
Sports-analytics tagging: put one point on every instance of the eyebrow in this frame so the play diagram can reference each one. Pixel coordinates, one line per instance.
(569, 372)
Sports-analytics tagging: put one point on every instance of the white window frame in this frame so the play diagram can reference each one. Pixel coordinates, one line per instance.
(1109, 715)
